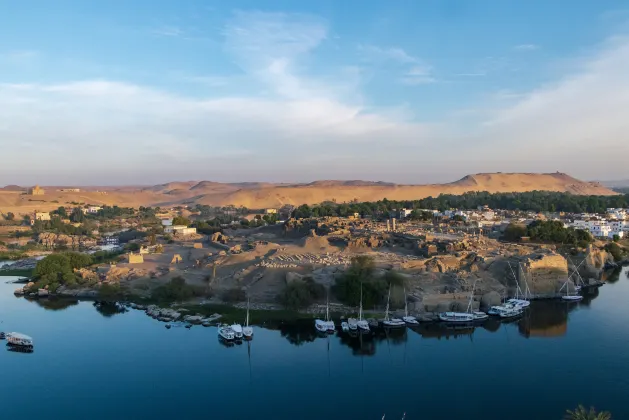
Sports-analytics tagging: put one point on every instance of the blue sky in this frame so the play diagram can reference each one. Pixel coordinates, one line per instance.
(406, 91)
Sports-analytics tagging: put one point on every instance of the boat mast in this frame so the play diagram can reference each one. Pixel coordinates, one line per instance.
(247, 320)
(360, 309)
(469, 305)
(386, 312)
(405, 303)
(327, 307)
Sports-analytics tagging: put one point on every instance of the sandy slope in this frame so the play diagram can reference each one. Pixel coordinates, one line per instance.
(261, 195)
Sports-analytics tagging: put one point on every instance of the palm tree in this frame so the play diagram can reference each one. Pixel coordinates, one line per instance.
(582, 414)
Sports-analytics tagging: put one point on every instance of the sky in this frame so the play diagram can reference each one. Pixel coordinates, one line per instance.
(149, 91)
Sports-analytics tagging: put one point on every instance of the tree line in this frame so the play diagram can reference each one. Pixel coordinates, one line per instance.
(536, 201)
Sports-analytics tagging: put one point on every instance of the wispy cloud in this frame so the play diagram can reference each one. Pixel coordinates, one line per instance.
(416, 71)
(19, 56)
(418, 75)
(173, 31)
(373, 52)
(526, 47)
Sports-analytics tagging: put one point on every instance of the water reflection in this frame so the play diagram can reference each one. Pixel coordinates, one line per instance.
(109, 309)
(53, 304)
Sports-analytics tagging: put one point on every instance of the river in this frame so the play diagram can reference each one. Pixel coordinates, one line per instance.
(98, 364)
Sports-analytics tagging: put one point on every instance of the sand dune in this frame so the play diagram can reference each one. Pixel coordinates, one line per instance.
(261, 195)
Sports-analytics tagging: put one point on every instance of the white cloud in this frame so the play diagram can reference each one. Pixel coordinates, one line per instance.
(173, 31)
(577, 122)
(416, 72)
(19, 57)
(373, 52)
(526, 47)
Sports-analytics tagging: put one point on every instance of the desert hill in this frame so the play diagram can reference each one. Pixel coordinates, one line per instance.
(262, 195)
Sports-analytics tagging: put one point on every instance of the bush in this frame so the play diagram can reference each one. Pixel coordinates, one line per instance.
(615, 250)
(514, 232)
(301, 294)
(361, 274)
(109, 291)
(176, 290)
(235, 294)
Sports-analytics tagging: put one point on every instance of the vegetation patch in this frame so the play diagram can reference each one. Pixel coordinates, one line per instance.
(301, 294)
(176, 290)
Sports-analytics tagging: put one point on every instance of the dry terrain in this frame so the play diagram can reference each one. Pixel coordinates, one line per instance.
(263, 195)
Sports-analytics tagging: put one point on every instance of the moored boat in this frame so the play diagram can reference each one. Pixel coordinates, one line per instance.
(511, 312)
(19, 340)
(362, 324)
(456, 317)
(391, 322)
(225, 332)
(344, 326)
(408, 319)
(237, 329)
(247, 330)
(352, 323)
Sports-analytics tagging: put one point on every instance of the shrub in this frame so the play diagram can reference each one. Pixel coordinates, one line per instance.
(615, 250)
(235, 294)
(301, 294)
(176, 290)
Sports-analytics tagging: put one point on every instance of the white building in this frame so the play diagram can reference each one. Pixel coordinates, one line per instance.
(167, 222)
(92, 209)
(184, 230)
(603, 228)
(404, 213)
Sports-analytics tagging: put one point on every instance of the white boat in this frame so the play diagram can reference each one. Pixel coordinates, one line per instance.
(321, 325)
(247, 330)
(326, 326)
(18, 339)
(225, 332)
(361, 323)
(411, 320)
(456, 317)
(391, 322)
(519, 302)
(479, 316)
(511, 312)
(237, 329)
(569, 296)
(464, 317)
(344, 326)
(352, 324)
(496, 310)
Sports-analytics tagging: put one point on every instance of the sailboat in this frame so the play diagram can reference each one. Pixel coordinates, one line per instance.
(411, 320)
(523, 303)
(247, 330)
(361, 323)
(391, 322)
(467, 316)
(326, 326)
(568, 296)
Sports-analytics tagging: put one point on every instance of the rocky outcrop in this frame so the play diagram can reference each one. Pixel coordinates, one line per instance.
(595, 262)
(544, 272)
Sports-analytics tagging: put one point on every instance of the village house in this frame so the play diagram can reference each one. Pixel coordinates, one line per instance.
(92, 210)
(184, 230)
(43, 216)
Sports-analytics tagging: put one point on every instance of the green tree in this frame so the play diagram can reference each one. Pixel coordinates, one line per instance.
(514, 232)
(77, 215)
(9, 216)
(616, 238)
(181, 221)
(61, 212)
(581, 413)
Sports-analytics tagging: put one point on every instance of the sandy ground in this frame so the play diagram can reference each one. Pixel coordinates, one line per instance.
(261, 195)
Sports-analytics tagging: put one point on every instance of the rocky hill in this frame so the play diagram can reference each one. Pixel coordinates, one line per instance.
(260, 195)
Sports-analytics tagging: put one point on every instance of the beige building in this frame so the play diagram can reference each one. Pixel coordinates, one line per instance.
(135, 258)
(43, 216)
(183, 230)
(36, 190)
(270, 211)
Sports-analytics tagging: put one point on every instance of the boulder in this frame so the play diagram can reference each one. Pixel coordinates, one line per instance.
(490, 299)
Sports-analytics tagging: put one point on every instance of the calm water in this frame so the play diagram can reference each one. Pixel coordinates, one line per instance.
(101, 365)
